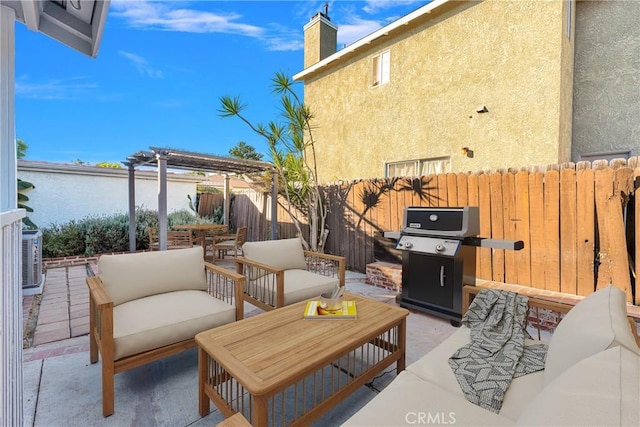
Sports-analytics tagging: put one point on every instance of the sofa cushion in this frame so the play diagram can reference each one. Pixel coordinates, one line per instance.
(158, 320)
(596, 323)
(409, 401)
(601, 390)
(286, 254)
(130, 276)
(434, 367)
(299, 285)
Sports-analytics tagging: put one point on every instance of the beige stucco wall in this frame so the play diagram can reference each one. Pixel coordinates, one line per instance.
(505, 55)
(607, 78)
(320, 40)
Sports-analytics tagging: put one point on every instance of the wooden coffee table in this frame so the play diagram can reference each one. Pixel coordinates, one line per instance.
(278, 367)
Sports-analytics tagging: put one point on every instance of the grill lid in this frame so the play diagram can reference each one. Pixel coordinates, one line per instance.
(451, 222)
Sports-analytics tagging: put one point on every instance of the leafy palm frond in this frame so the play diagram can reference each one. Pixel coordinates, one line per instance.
(292, 150)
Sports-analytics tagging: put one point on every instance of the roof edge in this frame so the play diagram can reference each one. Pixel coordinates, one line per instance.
(382, 32)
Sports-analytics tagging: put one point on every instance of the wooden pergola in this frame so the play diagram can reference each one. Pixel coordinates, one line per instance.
(164, 158)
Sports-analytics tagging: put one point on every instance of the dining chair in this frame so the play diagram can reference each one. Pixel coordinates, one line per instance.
(179, 239)
(230, 242)
(175, 239)
(153, 238)
(210, 237)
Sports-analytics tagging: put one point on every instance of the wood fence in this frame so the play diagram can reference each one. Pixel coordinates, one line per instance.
(207, 202)
(577, 221)
(253, 210)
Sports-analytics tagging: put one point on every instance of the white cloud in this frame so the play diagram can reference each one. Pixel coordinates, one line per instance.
(56, 89)
(283, 44)
(174, 16)
(355, 29)
(164, 15)
(142, 65)
(280, 38)
(375, 6)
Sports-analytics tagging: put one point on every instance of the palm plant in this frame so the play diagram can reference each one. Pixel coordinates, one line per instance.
(24, 186)
(292, 150)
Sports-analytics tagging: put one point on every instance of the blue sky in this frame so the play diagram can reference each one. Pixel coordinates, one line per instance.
(161, 70)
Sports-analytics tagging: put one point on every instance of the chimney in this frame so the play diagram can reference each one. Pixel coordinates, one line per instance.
(320, 38)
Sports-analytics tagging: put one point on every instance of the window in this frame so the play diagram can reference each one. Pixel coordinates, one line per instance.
(381, 66)
(420, 167)
(610, 155)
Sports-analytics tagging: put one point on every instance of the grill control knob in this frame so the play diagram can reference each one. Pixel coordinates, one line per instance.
(440, 247)
(408, 245)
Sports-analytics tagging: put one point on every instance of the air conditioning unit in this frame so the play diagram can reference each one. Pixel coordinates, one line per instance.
(32, 277)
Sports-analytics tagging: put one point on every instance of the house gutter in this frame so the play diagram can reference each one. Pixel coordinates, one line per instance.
(360, 44)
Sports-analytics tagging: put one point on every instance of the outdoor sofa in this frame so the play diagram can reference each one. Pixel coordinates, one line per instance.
(146, 306)
(281, 272)
(591, 376)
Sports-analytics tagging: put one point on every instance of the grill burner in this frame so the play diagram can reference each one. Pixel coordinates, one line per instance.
(439, 256)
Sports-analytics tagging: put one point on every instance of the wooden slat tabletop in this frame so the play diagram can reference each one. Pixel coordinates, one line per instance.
(266, 351)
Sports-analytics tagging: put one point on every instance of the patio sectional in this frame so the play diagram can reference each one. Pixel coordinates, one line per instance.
(591, 376)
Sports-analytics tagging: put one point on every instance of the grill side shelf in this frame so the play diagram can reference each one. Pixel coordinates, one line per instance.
(514, 245)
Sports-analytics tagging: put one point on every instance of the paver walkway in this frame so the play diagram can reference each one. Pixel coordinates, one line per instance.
(59, 313)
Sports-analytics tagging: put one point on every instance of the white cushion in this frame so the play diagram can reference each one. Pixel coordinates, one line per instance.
(299, 285)
(411, 401)
(130, 276)
(158, 320)
(596, 323)
(286, 254)
(434, 367)
(601, 390)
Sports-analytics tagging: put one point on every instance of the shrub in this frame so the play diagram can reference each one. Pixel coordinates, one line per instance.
(63, 240)
(105, 234)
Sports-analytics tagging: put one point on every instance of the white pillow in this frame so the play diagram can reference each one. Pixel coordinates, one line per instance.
(286, 254)
(601, 390)
(596, 323)
(132, 276)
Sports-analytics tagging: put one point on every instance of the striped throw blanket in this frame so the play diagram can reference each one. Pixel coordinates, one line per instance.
(485, 367)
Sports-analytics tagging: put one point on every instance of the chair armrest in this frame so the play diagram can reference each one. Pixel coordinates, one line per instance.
(326, 264)
(261, 277)
(98, 293)
(226, 285)
(100, 320)
(240, 261)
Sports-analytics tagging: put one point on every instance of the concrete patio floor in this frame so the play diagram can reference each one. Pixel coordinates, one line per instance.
(61, 387)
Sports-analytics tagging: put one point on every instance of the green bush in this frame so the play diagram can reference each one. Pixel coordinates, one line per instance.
(105, 234)
(63, 240)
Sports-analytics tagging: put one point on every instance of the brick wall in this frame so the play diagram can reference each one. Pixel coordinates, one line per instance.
(384, 275)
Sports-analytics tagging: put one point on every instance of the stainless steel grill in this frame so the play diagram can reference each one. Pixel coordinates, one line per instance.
(439, 256)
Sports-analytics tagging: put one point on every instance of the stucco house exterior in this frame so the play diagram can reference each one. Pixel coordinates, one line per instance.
(466, 86)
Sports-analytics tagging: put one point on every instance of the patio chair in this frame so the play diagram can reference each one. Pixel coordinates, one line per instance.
(175, 239)
(153, 238)
(230, 242)
(210, 237)
(146, 306)
(280, 272)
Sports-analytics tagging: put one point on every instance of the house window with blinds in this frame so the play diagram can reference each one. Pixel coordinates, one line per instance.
(381, 67)
(420, 167)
